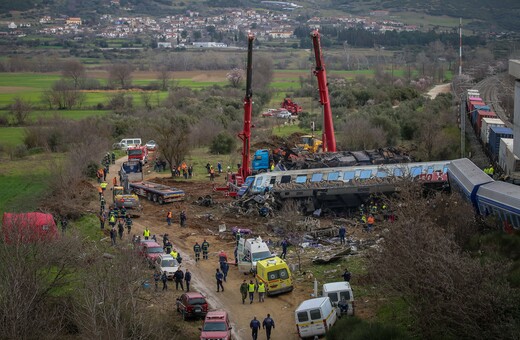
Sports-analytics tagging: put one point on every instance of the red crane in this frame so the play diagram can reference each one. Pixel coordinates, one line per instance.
(235, 180)
(329, 139)
(245, 135)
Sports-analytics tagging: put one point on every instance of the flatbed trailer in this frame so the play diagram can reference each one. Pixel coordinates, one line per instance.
(156, 192)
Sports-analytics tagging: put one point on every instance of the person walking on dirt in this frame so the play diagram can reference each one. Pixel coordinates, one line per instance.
(205, 248)
(342, 233)
(183, 218)
(255, 326)
(102, 201)
(112, 221)
(103, 186)
(146, 233)
(225, 269)
(169, 216)
(243, 291)
(196, 249)
(168, 247)
(251, 289)
(120, 229)
(219, 167)
(114, 181)
(102, 220)
(113, 236)
(219, 276)
(156, 278)
(267, 325)
(261, 291)
(113, 158)
(187, 278)
(179, 277)
(212, 174)
(190, 171)
(370, 222)
(128, 223)
(284, 249)
(164, 279)
(100, 192)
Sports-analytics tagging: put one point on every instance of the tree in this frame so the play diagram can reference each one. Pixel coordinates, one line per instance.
(235, 77)
(173, 135)
(423, 262)
(20, 109)
(63, 95)
(223, 143)
(164, 77)
(74, 70)
(121, 74)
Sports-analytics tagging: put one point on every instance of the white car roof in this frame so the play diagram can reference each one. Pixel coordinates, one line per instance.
(336, 286)
(312, 303)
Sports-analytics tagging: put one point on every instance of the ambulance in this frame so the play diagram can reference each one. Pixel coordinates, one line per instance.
(275, 274)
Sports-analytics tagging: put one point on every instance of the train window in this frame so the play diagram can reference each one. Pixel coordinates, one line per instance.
(430, 170)
(348, 175)
(301, 178)
(316, 177)
(285, 179)
(273, 180)
(398, 172)
(365, 174)
(333, 176)
(415, 171)
(381, 174)
(445, 169)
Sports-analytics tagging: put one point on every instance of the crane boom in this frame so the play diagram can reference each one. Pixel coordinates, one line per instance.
(245, 135)
(329, 139)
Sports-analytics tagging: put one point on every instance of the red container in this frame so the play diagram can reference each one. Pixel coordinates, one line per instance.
(483, 114)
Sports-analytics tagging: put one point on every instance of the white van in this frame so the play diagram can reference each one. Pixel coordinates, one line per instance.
(315, 317)
(249, 251)
(336, 291)
(125, 143)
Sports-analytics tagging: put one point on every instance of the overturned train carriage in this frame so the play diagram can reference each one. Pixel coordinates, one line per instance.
(343, 187)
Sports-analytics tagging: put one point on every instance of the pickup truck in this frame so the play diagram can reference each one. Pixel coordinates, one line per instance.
(158, 193)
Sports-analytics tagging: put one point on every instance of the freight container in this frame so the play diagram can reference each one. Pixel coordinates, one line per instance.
(471, 105)
(482, 107)
(507, 159)
(486, 124)
(482, 114)
(475, 99)
(495, 133)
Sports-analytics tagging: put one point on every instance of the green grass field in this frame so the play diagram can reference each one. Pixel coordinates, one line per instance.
(11, 136)
(22, 182)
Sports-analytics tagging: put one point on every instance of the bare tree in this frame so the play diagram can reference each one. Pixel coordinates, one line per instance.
(358, 134)
(32, 274)
(173, 136)
(165, 77)
(63, 95)
(146, 97)
(74, 70)
(235, 77)
(448, 291)
(20, 109)
(121, 73)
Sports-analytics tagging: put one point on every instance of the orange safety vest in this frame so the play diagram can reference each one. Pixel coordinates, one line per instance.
(169, 215)
(370, 220)
(114, 181)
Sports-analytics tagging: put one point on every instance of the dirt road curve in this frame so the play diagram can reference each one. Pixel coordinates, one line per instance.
(199, 228)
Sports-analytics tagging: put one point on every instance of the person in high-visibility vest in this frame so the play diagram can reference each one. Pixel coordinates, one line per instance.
(261, 291)
(103, 186)
(112, 221)
(169, 216)
(174, 254)
(370, 223)
(146, 233)
(251, 289)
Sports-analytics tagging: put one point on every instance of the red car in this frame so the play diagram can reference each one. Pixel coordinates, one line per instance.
(216, 326)
(150, 250)
(192, 304)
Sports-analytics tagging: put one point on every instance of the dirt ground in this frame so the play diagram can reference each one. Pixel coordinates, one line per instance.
(438, 89)
(200, 227)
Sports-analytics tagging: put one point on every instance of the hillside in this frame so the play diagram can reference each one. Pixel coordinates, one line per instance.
(487, 14)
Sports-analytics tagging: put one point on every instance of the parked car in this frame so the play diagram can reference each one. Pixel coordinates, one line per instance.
(166, 263)
(283, 114)
(216, 326)
(150, 251)
(192, 304)
(151, 145)
(269, 112)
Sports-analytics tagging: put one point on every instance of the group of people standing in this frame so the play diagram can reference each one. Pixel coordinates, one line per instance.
(182, 218)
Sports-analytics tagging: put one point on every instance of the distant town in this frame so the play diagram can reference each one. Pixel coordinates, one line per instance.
(194, 29)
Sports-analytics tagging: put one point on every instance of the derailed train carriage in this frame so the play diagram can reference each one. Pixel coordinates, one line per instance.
(488, 197)
(344, 187)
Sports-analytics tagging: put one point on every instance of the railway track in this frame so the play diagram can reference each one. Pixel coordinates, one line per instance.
(489, 89)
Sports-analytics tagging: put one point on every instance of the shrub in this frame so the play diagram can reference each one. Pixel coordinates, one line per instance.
(223, 143)
(19, 151)
(357, 329)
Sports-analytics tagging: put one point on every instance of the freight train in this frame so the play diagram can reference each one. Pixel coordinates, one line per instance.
(493, 133)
